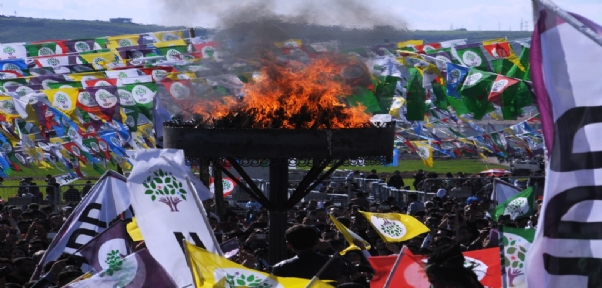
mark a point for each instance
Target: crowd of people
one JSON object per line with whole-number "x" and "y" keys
{"x": 456, "y": 225}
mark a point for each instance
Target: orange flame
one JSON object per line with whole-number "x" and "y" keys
{"x": 293, "y": 96}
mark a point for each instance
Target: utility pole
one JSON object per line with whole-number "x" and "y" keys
{"x": 521, "y": 24}
{"x": 499, "y": 26}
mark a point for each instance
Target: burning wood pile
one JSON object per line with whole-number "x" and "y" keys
{"x": 288, "y": 96}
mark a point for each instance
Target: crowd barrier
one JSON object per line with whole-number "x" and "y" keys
{"x": 9, "y": 195}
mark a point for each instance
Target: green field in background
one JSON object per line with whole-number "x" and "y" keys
{"x": 470, "y": 166}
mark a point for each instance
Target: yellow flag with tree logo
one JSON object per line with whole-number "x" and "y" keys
{"x": 425, "y": 151}
{"x": 63, "y": 99}
{"x": 393, "y": 227}
{"x": 212, "y": 270}
{"x": 349, "y": 235}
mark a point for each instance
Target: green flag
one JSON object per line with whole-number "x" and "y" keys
{"x": 519, "y": 206}
{"x": 69, "y": 84}
{"x": 458, "y": 105}
{"x": 416, "y": 97}
{"x": 475, "y": 92}
{"x": 44, "y": 49}
{"x": 471, "y": 55}
{"x": 384, "y": 90}
{"x": 365, "y": 97}
{"x": 515, "y": 246}
{"x": 440, "y": 99}
{"x": 515, "y": 72}
{"x": 138, "y": 97}
{"x": 502, "y": 66}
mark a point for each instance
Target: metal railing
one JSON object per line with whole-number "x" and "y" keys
{"x": 13, "y": 195}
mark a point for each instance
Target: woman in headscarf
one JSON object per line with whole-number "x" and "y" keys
{"x": 445, "y": 268}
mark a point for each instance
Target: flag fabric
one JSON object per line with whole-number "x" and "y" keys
{"x": 410, "y": 271}
{"x": 138, "y": 97}
{"x": 104, "y": 203}
{"x": 349, "y": 236}
{"x": 563, "y": 58}
{"x": 45, "y": 49}
{"x": 475, "y": 92}
{"x": 471, "y": 55}
{"x": 13, "y": 51}
{"x": 502, "y": 191}
{"x": 211, "y": 270}
{"x": 164, "y": 203}
{"x": 503, "y": 50}
{"x": 454, "y": 78}
{"x": 516, "y": 244}
{"x": 136, "y": 270}
{"x": 416, "y": 97}
{"x": 425, "y": 151}
{"x": 518, "y": 206}
{"x": 109, "y": 243}
{"x": 230, "y": 247}
{"x": 393, "y": 227}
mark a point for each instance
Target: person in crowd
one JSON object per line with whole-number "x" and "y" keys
{"x": 372, "y": 175}
{"x": 52, "y": 190}
{"x": 445, "y": 267}
{"x": 361, "y": 200}
{"x": 418, "y": 178}
{"x": 86, "y": 188}
{"x": 395, "y": 180}
{"x": 414, "y": 205}
{"x": 303, "y": 239}
{"x": 71, "y": 195}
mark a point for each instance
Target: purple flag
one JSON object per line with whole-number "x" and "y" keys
{"x": 46, "y": 79}
{"x": 113, "y": 241}
{"x": 137, "y": 270}
{"x": 107, "y": 99}
{"x": 79, "y": 45}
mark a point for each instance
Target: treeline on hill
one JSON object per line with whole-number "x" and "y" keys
{"x": 22, "y": 29}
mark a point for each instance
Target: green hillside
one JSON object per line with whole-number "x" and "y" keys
{"x": 21, "y": 29}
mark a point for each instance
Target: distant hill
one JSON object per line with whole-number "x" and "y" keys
{"x": 22, "y": 29}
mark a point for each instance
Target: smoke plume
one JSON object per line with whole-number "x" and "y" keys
{"x": 229, "y": 13}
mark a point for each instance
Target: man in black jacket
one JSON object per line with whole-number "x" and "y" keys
{"x": 302, "y": 239}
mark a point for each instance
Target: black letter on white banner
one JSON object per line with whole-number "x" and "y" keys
{"x": 562, "y": 158}
{"x": 194, "y": 236}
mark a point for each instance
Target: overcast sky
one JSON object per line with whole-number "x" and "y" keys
{"x": 421, "y": 15}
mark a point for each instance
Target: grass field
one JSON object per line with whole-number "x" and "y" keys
{"x": 470, "y": 166}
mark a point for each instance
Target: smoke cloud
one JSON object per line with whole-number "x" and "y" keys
{"x": 229, "y": 13}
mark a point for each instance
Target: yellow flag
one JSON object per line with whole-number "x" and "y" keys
{"x": 85, "y": 76}
{"x": 393, "y": 227}
{"x": 410, "y": 43}
{"x": 290, "y": 43}
{"x": 39, "y": 155}
{"x": 134, "y": 231}
{"x": 496, "y": 40}
{"x": 211, "y": 270}
{"x": 425, "y": 151}
{"x": 100, "y": 60}
{"x": 63, "y": 99}
{"x": 168, "y": 36}
{"x": 396, "y": 105}
{"x": 7, "y": 108}
{"x": 349, "y": 236}
{"x": 479, "y": 149}
{"x": 147, "y": 132}
{"x": 178, "y": 42}
{"x": 122, "y": 41}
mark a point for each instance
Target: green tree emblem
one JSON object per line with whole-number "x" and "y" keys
{"x": 514, "y": 258}
{"x": 242, "y": 280}
{"x": 454, "y": 76}
{"x": 208, "y": 51}
{"x": 53, "y": 61}
{"x": 9, "y": 50}
{"x": 81, "y": 46}
{"x": 392, "y": 228}
{"x": 125, "y": 43}
{"x": 122, "y": 75}
{"x": 515, "y": 207}
{"x": 165, "y": 187}
{"x": 115, "y": 262}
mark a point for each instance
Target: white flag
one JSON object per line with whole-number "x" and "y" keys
{"x": 566, "y": 53}
{"x": 503, "y": 191}
{"x": 106, "y": 200}
{"x": 168, "y": 210}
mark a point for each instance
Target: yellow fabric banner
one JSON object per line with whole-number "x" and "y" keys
{"x": 394, "y": 227}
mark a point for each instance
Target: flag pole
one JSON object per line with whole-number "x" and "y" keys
{"x": 394, "y": 268}
{"x": 188, "y": 262}
{"x": 316, "y": 278}
{"x": 570, "y": 19}
{"x": 204, "y": 214}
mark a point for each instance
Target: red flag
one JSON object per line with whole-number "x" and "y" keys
{"x": 500, "y": 84}
{"x": 410, "y": 272}
{"x": 75, "y": 151}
